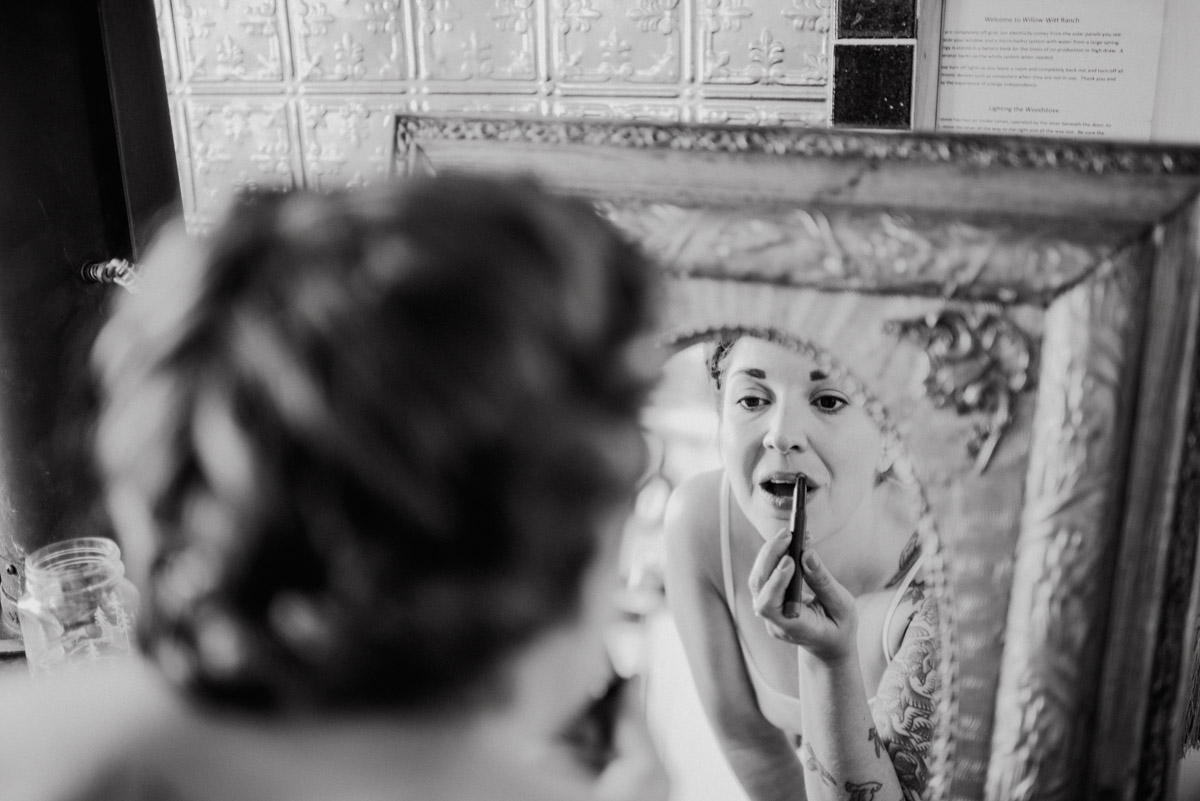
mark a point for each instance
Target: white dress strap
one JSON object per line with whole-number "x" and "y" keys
{"x": 895, "y": 604}
{"x": 726, "y": 560}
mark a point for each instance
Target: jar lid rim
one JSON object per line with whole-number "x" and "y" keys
{"x": 72, "y": 553}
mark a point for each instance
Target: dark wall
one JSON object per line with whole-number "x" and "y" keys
{"x": 65, "y": 199}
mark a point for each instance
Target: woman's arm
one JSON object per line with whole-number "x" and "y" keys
{"x": 760, "y": 755}
{"x": 846, "y": 753}
{"x": 906, "y": 704}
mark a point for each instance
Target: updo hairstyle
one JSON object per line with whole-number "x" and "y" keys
{"x": 376, "y": 434}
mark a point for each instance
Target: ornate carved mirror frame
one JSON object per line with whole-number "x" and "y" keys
{"x": 1054, "y": 289}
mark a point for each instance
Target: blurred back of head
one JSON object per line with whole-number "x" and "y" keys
{"x": 371, "y": 436}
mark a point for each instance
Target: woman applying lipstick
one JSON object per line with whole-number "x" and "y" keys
{"x": 838, "y": 696}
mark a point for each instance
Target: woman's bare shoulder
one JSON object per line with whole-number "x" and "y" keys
{"x": 692, "y": 519}
{"x": 915, "y": 602}
{"x": 697, "y": 498}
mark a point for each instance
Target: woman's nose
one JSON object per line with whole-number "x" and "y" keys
{"x": 786, "y": 431}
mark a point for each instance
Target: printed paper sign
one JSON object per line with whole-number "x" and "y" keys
{"x": 1050, "y": 67}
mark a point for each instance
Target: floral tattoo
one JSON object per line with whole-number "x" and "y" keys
{"x": 906, "y": 705}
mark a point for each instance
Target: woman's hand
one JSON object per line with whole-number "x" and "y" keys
{"x": 826, "y": 625}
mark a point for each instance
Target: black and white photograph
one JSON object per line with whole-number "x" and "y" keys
{"x": 599, "y": 400}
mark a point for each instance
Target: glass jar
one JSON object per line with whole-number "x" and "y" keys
{"x": 78, "y": 607}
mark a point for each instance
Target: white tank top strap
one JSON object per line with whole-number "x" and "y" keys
{"x": 778, "y": 707}
{"x": 726, "y": 559}
{"x": 895, "y": 604}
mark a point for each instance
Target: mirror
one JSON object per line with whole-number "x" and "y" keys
{"x": 992, "y": 299}
{"x": 787, "y": 404}
{"x": 944, "y": 387}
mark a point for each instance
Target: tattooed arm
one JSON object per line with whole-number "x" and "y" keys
{"x": 843, "y": 755}
{"x": 846, "y": 754}
{"x": 906, "y": 704}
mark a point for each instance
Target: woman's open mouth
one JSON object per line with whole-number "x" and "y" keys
{"x": 778, "y": 488}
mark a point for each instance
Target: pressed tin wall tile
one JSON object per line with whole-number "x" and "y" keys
{"x": 301, "y": 92}
{"x": 764, "y": 42}
{"x": 464, "y": 40}
{"x": 480, "y": 105}
{"x": 231, "y": 40}
{"x": 617, "y": 41}
{"x": 349, "y": 40}
{"x": 743, "y": 113}
{"x": 347, "y": 141}
{"x": 608, "y": 109}
{"x": 238, "y": 143}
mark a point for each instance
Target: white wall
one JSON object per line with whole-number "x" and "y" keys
{"x": 1177, "y": 100}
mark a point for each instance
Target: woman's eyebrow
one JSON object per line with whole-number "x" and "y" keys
{"x": 754, "y": 372}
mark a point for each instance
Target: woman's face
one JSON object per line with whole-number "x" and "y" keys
{"x": 781, "y": 414}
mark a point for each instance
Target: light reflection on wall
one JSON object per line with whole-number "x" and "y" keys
{"x": 681, "y": 434}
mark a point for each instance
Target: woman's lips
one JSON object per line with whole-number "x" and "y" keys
{"x": 782, "y": 501}
{"x": 783, "y": 484}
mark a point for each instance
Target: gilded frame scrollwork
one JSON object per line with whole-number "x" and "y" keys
{"x": 1054, "y": 290}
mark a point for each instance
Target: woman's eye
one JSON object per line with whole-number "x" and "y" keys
{"x": 830, "y": 403}
{"x": 751, "y": 403}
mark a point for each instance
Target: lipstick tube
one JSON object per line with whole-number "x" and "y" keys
{"x": 791, "y": 595}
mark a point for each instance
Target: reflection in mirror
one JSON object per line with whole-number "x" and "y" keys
{"x": 844, "y": 695}
{"x": 1005, "y": 288}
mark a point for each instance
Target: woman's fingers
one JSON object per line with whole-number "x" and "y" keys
{"x": 836, "y": 599}
{"x": 824, "y": 625}
{"x": 768, "y": 600}
{"x": 806, "y": 625}
{"x": 794, "y": 633}
{"x": 767, "y": 561}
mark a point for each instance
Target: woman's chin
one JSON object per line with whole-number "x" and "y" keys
{"x": 769, "y": 519}
{"x": 768, "y": 523}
